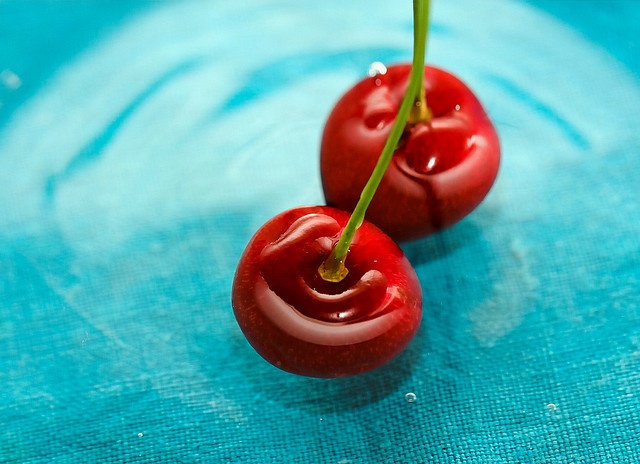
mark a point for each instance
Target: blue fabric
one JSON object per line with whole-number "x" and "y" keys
{"x": 142, "y": 144}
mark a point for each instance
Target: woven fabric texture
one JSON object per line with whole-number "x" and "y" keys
{"x": 143, "y": 143}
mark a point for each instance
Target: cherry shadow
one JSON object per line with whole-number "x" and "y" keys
{"x": 326, "y": 396}
{"x": 442, "y": 244}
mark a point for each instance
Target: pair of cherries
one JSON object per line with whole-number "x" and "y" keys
{"x": 321, "y": 292}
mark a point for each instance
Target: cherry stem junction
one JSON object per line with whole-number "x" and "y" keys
{"x": 412, "y": 109}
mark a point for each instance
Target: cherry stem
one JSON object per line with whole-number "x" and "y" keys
{"x": 420, "y": 112}
{"x": 333, "y": 269}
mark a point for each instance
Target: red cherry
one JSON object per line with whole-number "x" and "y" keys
{"x": 305, "y": 325}
{"x": 441, "y": 169}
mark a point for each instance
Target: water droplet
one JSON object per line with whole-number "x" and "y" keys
{"x": 457, "y": 107}
{"x": 410, "y": 397}
{"x": 140, "y": 435}
{"x": 376, "y": 69}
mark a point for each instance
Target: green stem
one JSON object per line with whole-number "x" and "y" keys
{"x": 333, "y": 269}
{"x": 420, "y": 112}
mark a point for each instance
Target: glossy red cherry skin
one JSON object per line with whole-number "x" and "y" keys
{"x": 441, "y": 170}
{"x": 302, "y": 324}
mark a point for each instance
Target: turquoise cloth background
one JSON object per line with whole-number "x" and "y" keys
{"x": 141, "y": 145}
